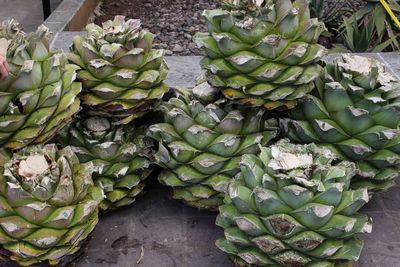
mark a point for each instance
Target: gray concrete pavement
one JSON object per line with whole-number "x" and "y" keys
{"x": 27, "y": 12}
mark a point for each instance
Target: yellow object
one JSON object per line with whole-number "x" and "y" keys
{"x": 385, "y": 5}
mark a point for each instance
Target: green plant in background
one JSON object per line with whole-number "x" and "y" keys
{"x": 262, "y": 53}
{"x": 201, "y": 142}
{"x": 48, "y": 204}
{"x": 291, "y": 206}
{"x": 122, "y": 75}
{"x": 371, "y": 29}
{"x": 39, "y": 96}
{"x": 331, "y": 13}
{"x": 356, "y": 111}
{"x": 120, "y": 155}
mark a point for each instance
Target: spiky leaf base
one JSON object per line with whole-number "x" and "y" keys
{"x": 263, "y": 53}
{"x": 291, "y": 206}
{"x": 122, "y": 75}
{"x": 356, "y": 112}
{"x": 201, "y": 142}
{"x": 39, "y": 96}
{"x": 120, "y": 155}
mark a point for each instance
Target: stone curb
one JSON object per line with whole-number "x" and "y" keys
{"x": 70, "y": 15}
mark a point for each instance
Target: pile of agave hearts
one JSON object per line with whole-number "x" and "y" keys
{"x": 287, "y": 147}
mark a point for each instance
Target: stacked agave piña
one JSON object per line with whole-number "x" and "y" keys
{"x": 201, "y": 142}
{"x": 39, "y": 97}
{"x": 291, "y": 206}
{"x": 355, "y": 110}
{"x": 262, "y": 52}
{"x": 48, "y": 203}
{"x": 123, "y": 80}
{"x": 120, "y": 157}
{"x": 285, "y": 205}
{"x": 122, "y": 75}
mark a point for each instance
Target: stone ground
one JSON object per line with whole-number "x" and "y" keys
{"x": 28, "y": 12}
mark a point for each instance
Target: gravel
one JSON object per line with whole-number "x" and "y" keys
{"x": 173, "y": 21}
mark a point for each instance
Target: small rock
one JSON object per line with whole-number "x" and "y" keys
{"x": 192, "y": 46}
{"x": 177, "y": 48}
{"x": 168, "y": 52}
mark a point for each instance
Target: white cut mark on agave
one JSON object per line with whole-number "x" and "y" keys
{"x": 363, "y": 66}
{"x": 99, "y": 63}
{"x": 38, "y": 206}
{"x": 243, "y": 59}
{"x": 365, "y": 196}
{"x": 28, "y": 65}
{"x": 357, "y": 112}
{"x": 122, "y": 171}
{"x": 324, "y": 126}
{"x": 367, "y": 229}
{"x": 106, "y": 145}
{"x": 330, "y": 251}
{"x": 203, "y": 90}
{"x": 228, "y": 140}
{"x": 262, "y": 194}
{"x": 376, "y": 99}
{"x": 392, "y": 160}
{"x": 175, "y": 112}
{"x": 245, "y": 224}
{"x": 340, "y": 187}
{"x": 56, "y": 60}
{"x": 176, "y": 149}
{"x": 360, "y": 150}
{"x": 196, "y": 129}
{"x": 126, "y": 74}
{"x": 321, "y": 211}
{"x": 350, "y": 225}
{"x": 10, "y": 227}
{"x": 129, "y": 150}
{"x": 46, "y": 241}
{"x": 251, "y": 258}
{"x": 6, "y": 123}
{"x": 105, "y": 90}
{"x": 258, "y": 139}
{"x": 89, "y": 207}
{"x": 296, "y": 190}
{"x": 272, "y": 39}
{"x": 214, "y": 116}
{"x": 246, "y": 23}
{"x": 268, "y": 245}
{"x": 220, "y": 186}
{"x": 46, "y": 181}
{"x": 88, "y": 46}
{"x": 206, "y": 163}
{"x": 219, "y": 36}
{"x": 300, "y": 50}
{"x": 12, "y": 185}
{"x": 33, "y": 167}
{"x": 288, "y": 161}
